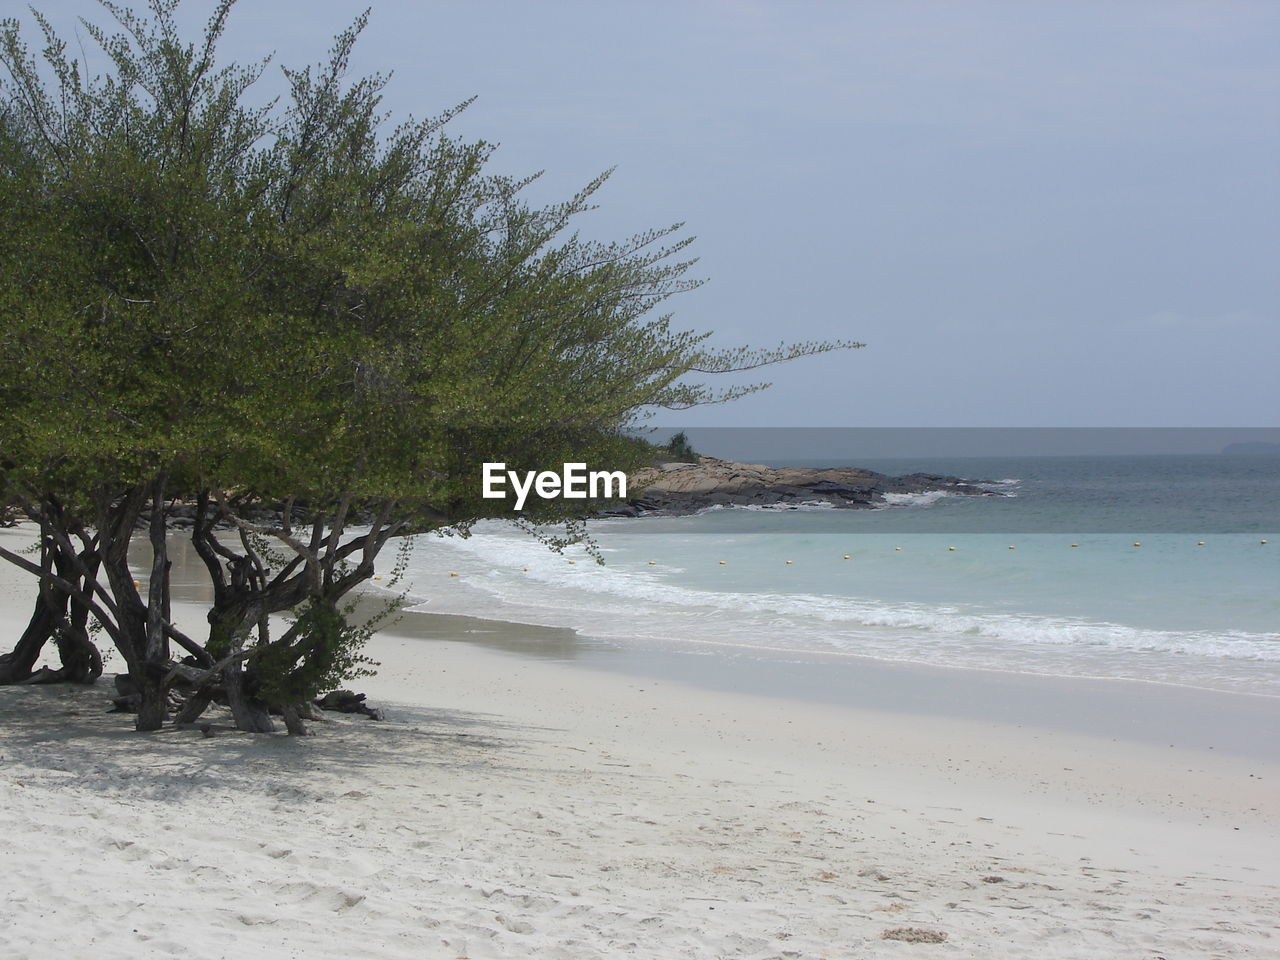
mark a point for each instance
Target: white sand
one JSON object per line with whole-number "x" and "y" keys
{"x": 511, "y": 807}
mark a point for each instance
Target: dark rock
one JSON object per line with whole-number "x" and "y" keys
{"x": 677, "y": 489}
{"x": 630, "y": 510}
{"x": 344, "y": 701}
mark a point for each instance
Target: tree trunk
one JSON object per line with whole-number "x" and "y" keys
{"x": 194, "y": 708}
{"x": 153, "y": 706}
{"x": 153, "y": 700}
{"x": 16, "y": 666}
{"x": 251, "y": 714}
{"x": 81, "y": 661}
{"x": 293, "y": 722}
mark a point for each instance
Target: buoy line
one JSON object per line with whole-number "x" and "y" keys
{"x": 845, "y": 556}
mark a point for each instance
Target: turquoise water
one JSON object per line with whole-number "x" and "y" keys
{"x": 1170, "y": 610}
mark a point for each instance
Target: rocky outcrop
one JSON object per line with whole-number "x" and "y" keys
{"x": 676, "y": 489}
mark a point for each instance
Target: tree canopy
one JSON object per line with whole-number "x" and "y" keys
{"x": 307, "y": 326}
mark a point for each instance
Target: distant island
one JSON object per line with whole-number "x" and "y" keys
{"x": 682, "y": 488}
{"x": 1252, "y": 447}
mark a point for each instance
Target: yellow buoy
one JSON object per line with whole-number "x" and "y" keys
{"x": 1199, "y": 543}
{"x": 453, "y": 574}
{"x": 950, "y": 548}
{"x": 377, "y": 578}
{"x": 897, "y": 548}
{"x": 137, "y": 583}
{"x": 1137, "y": 543}
{"x": 573, "y": 561}
{"x": 788, "y": 563}
{"x": 653, "y": 563}
{"x": 1262, "y": 542}
{"x": 1075, "y": 544}
{"x": 722, "y": 563}
{"x": 1012, "y": 547}
{"x": 526, "y": 569}
{"x": 846, "y": 556}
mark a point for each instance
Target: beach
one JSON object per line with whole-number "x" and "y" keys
{"x": 708, "y": 481}
{"x": 516, "y": 805}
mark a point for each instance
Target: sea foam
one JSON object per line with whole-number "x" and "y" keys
{"x": 504, "y": 575}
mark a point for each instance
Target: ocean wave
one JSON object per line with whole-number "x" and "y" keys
{"x": 801, "y": 505}
{"x": 1000, "y": 487}
{"x": 516, "y": 578}
{"x": 925, "y": 499}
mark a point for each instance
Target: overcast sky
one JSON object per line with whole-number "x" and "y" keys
{"x": 1033, "y": 214}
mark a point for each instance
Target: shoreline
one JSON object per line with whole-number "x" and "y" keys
{"x": 1192, "y": 618}
{"x": 1153, "y": 712}
{"x": 540, "y": 806}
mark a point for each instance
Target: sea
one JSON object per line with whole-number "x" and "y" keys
{"x": 1163, "y": 569}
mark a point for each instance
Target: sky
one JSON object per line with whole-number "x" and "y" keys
{"x": 1057, "y": 213}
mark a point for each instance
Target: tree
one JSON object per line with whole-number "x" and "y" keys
{"x": 679, "y": 448}
{"x": 312, "y": 329}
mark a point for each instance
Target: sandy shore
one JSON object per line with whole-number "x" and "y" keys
{"x": 517, "y": 806}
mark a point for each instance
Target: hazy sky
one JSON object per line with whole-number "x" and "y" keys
{"x": 1033, "y": 214}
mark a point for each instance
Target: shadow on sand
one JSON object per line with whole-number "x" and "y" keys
{"x": 64, "y": 731}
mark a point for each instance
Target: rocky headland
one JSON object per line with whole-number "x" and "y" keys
{"x": 679, "y": 489}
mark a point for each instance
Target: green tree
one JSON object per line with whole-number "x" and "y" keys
{"x": 309, "y": 326}
{"x": 679, "y": 448}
